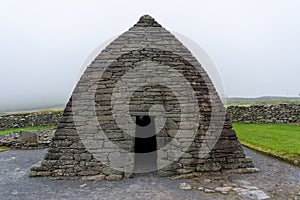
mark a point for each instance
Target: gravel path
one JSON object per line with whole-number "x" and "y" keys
{"x": 278, "y": 180}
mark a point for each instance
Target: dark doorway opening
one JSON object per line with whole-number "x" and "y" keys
{"x": 145, "y": 140}
{"x": 145, "y": 145}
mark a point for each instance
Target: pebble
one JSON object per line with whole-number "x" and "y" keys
{"x": 207, "y": 181}
{"x": 243, "y": 182}
{"x": 239, "y": 189}
{"x": 83, "y": 185}
{"x": 185, "y": 186}
{"x": 209, "y": 191}
{"x": 114, "y": 177}
{"x": 201, "y": 188}
{"x": 223, "y": 190}
{"x": 255, "y": 194}
{"x": 250, "y": 187}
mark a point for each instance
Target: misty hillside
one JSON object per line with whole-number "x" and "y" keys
{"x": 30, "y": 108}
{"x": 268, "y": 100}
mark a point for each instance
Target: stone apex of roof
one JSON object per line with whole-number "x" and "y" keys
{"x": 147, "y": 21}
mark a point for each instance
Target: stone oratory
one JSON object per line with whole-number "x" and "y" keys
{"x": 143, "y": 104}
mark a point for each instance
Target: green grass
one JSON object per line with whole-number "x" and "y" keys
{"x": 3, "y": 148}
{"x": 10, "y": 130}
{"x": 282, "y": 140}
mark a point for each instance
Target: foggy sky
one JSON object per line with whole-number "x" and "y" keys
{"x": 254, "y": 44}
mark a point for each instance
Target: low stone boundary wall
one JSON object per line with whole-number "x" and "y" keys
{"x": 283, "y": 113}
{"x": 28, "y": 139}
{"x": 30, "y": 119}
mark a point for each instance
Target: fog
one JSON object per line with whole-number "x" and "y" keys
{"x": 44, "y": 44}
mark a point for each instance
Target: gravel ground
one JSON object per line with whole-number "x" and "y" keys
{"x": 277, "y": 179}
{"x": 280, "y": 180}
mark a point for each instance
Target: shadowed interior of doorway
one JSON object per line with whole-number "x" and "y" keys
{"x": 145, "y": 145}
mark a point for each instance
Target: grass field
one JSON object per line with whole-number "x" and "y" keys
{"x": 3, "y": 148}
{"x": 25, "y": 129}
{"x": 282, "y": 140}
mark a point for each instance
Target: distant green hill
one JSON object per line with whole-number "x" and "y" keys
{"x": 233, "y": 101}
{"x": 29, "y": 109}
{"x": 268, "y": 100}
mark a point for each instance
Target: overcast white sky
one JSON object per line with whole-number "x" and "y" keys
{"x": 254, "y": 44}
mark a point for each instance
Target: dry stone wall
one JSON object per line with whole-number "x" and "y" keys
{"x": 35, "y": 139}
{"x": 30, "y": 119}
{"x": 282, "y": 113}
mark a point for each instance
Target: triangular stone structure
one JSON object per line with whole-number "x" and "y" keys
{"x": 145, "y": 75}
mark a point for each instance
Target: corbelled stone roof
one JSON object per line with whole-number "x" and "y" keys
{"x": 97, "y": 137}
